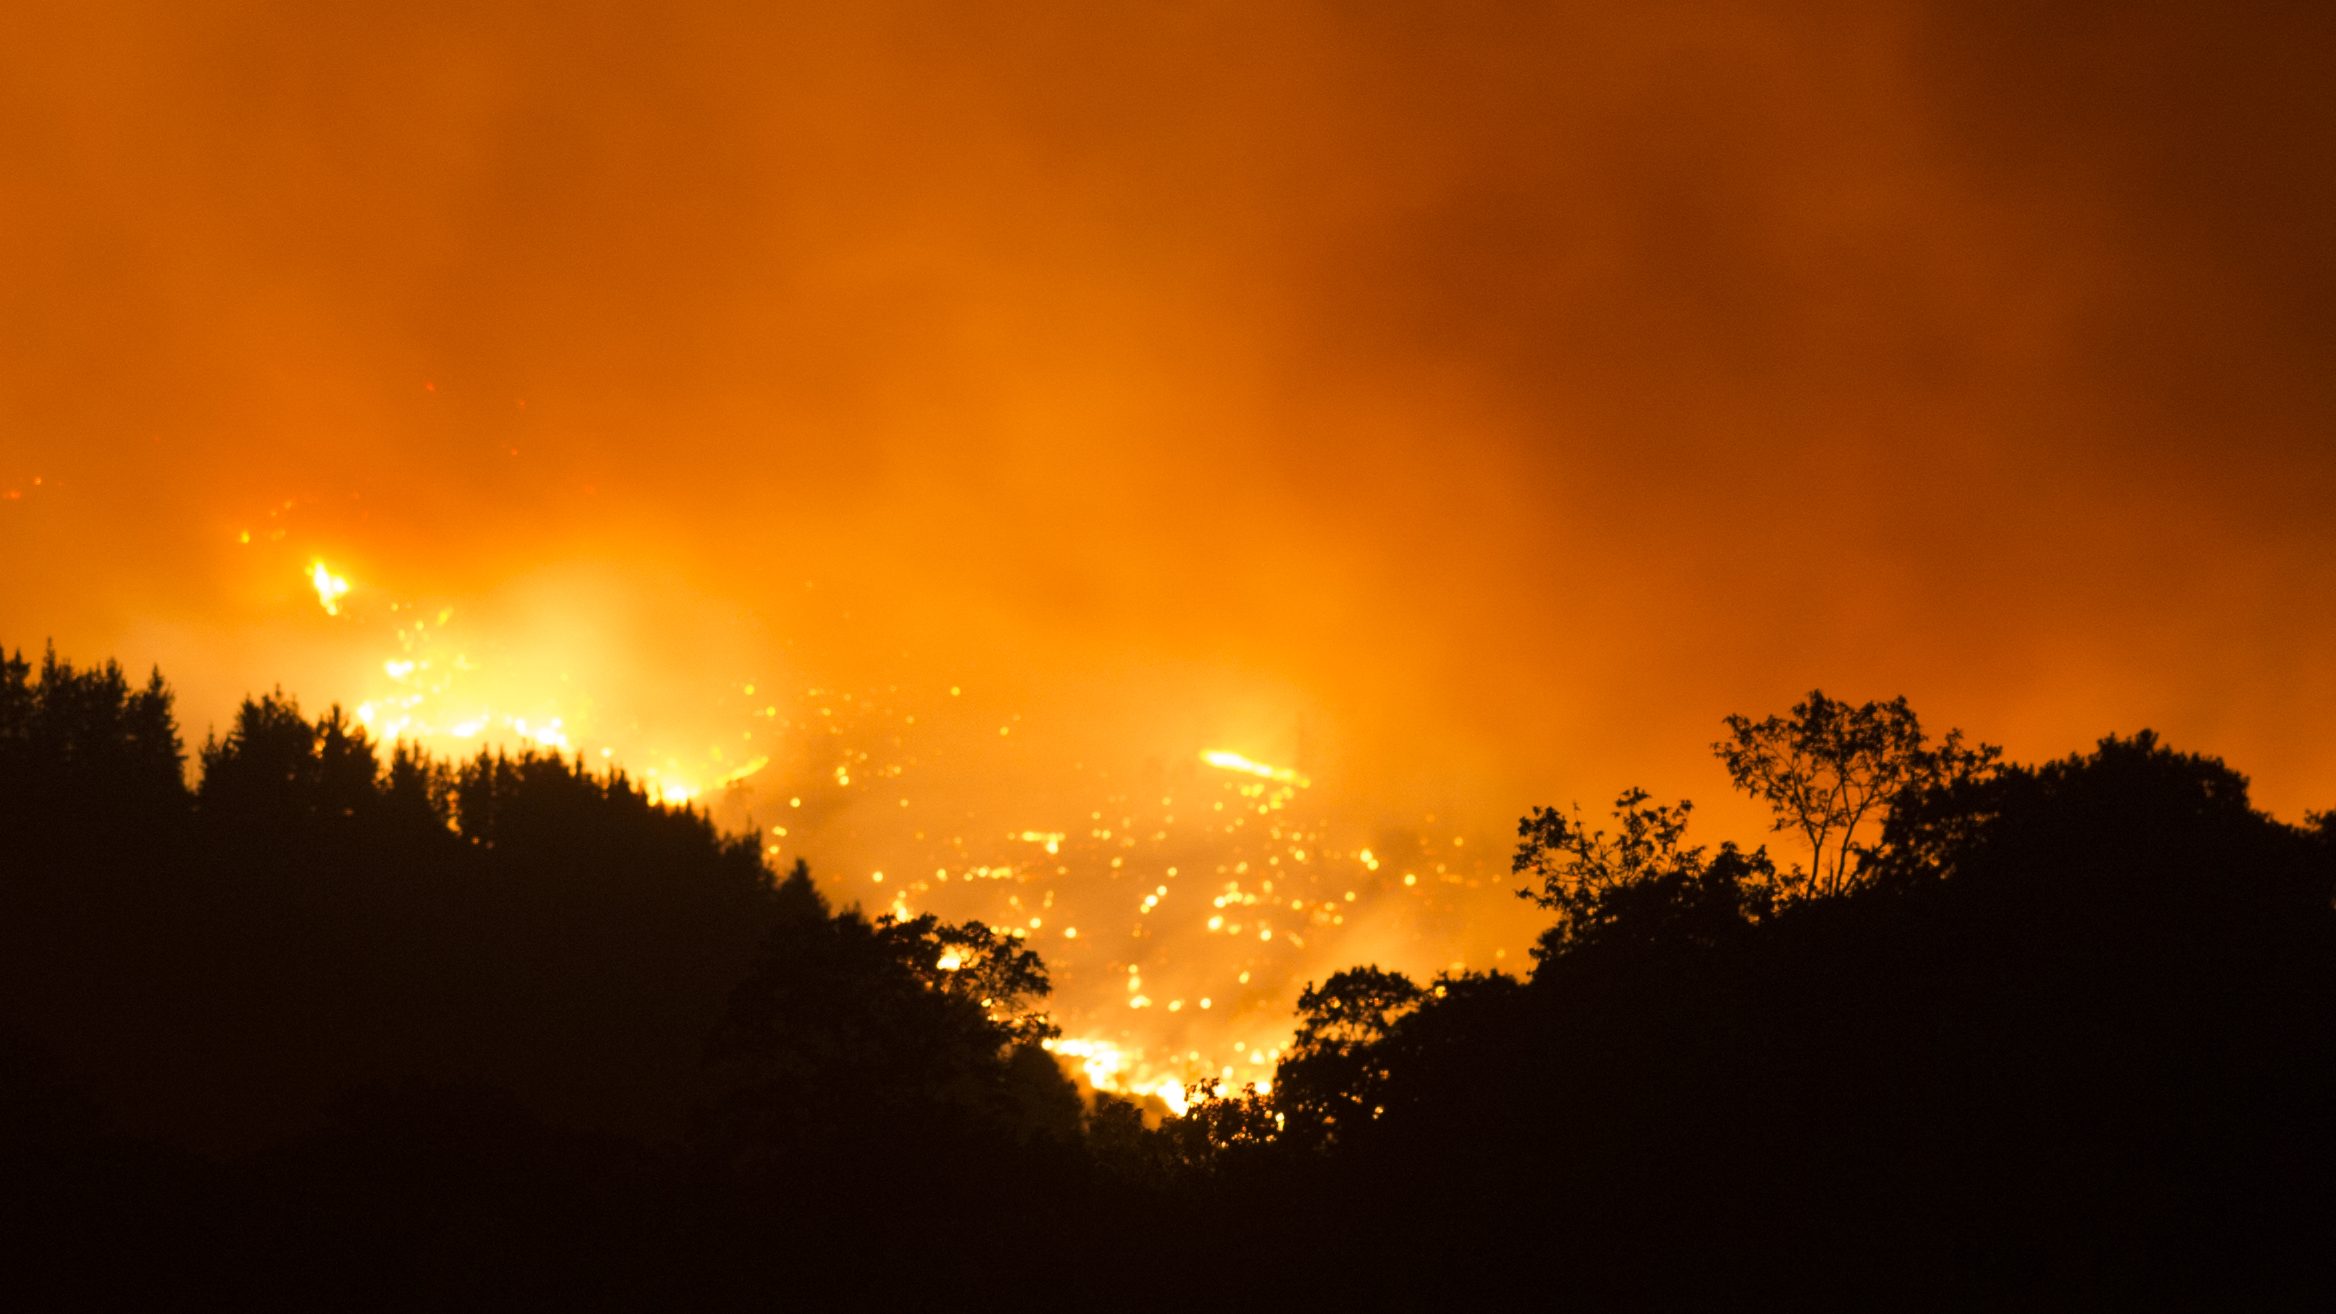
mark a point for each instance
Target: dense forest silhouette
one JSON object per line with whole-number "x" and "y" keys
{"x": 334, "y": 1028}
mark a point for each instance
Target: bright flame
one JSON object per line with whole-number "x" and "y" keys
{"x": 1101, "y": 1060}
{"x": 330, "y": 588}
{"x": 663, "y": 790}
{"x": 1225, "y": 760}
{"x": 1111, "y": 1066}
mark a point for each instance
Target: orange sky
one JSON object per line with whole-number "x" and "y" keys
{"x": 1501, "y": 394}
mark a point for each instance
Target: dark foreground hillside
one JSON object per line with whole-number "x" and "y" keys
{"x": 332, "y": 1031}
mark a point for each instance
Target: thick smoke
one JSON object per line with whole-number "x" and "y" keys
{"x": 1472, "y": 402}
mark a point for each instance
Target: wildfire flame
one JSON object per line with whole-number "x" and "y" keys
{"x": 1224, "y": 760}
{"x": 330, "y": 588}
{"x": 1210, "y": 897}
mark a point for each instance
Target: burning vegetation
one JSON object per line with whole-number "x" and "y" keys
{"x": 390, "y": 1021}
{"x": 1181, "y": 904}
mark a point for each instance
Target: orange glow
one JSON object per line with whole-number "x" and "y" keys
{"x": 1188, "y": 480}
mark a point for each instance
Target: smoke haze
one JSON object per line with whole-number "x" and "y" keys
{"x": 1470, "y": 403}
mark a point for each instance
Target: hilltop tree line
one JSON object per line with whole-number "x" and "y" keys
{"x": 334, "y": 1026}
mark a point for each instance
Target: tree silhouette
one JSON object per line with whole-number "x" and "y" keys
{"x": 1576, "y": 867}
{"x": 83, "y": 757}
{"x": 847, "y": 1030}
{"x": 337, "y": 1024}
{"x": 2061, "y": 1030}
{"x": 1330, "y": 1079}
{"x": 1644, "y": 883}
{"x": 1218, "y": 1130}
{"x": 1829, "y": 767}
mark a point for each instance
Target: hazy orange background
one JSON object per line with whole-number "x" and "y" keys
{"x": 1501, "y": 394}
